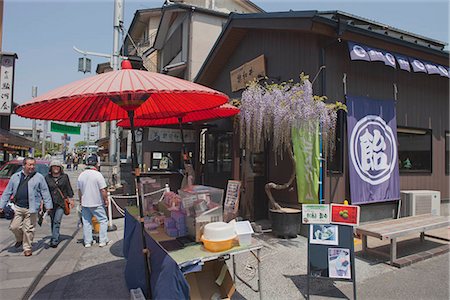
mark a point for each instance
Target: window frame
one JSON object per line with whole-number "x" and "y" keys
{"x": 336, "y": 165}
{"x": 415, "y": 130}
{"x": 447, "y": 146}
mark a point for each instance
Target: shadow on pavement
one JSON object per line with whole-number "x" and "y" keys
{"x": 404, "y": 248}
{"x": 117, "y": 249}
{"x": 318, "y": 287}
{"x": 42, "y": 243}
{"x": 104, "y": 281}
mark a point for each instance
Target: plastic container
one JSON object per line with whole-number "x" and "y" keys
{"x": 219, "y": 231}
{"x": 217, "y": 246}
{"x": 199, "y": 199}
{"x": 244, "y": 232}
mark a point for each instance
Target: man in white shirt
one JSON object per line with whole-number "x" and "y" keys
{"x": 93, "y": 199}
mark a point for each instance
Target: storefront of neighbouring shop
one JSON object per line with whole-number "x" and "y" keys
{"x": 13, "y": 145}
{"x": 376, "y": 71}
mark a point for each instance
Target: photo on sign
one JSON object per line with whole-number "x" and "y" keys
{"x": 339, "y": 265}
{"x": 323, "y": 234}
{"x": 345, "y": 214}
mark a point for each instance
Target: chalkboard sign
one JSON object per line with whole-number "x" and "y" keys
{"x": 331, "y": 253}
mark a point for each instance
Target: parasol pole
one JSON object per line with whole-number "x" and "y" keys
{"x": 137, "y": 172}
{"x": 183, "y": 145}
{"x": 188, "y": 169}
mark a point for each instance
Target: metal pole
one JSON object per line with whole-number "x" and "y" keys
{"x": 44, "y": 136}
{"x": 111, "y": 226}
{"x": 117, "y": 22}
{"x": 34, "y": 95}
{"x": 129, "y": 146}
{"x": 135, "y": 167}
{"x": 114, "y": 143}
{"x": 88, "y": 138}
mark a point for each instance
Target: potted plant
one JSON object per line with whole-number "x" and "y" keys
{"x": 286, "y": 114}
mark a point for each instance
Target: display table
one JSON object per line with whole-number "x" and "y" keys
{"x": 167, "y": 269}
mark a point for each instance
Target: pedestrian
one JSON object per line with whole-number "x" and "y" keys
{"x": 26, "y": 189}
{"x": 69, "y": 162}
{"x": 93, "y": 200}
{"x": 75, "y": 161}
{"x": 59, "y": 185}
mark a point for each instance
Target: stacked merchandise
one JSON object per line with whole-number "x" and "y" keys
{"x": 175, "y": 225}
{"x": 202, "y": 205}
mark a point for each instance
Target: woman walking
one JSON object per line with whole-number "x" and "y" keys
{"x": 60, "y": 189}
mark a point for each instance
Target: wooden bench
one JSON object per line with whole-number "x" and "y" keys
{"x": 393, "y": 229}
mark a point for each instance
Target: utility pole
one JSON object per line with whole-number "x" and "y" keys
{"x": 34, "y": 95}
{"x": 114, "y": 143}
{"x": 44, "y": 133}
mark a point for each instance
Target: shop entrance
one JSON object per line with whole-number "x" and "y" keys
{"x": 218, "y": 159}
{"x": 254, "y": 174}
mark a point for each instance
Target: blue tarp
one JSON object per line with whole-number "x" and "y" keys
{"x": 167, "y": 281}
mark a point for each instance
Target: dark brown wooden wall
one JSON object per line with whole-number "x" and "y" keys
{"x": 423, "y": 100}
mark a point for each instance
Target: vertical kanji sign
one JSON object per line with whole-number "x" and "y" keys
{"x": 6, "y": 82}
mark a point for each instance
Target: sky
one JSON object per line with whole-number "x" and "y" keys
{"x": 43, "y": 33}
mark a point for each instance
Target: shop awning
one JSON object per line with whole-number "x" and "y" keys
{"x": 12, "y": 140}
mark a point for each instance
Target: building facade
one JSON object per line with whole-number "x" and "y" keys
{"x": 317, "y": 43}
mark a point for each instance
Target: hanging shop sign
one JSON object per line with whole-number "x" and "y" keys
{"x": 62, "y": 128}
{"x": 7, "y": 64}
{"x": 372, "y": 141}
{"x": 363, "y": 52}
{"x": 306, "y": 148}
{"x": 167, "y": 135}
{"x": 249, "y": 71}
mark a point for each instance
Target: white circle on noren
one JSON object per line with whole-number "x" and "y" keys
{"x": 362, "y": 124}
{"x": 419, "y": 64}
{"x": 359, "y": 51}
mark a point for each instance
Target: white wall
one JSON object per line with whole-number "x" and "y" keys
{"x": 205, "y": 31}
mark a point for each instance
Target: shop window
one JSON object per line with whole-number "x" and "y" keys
{"x": 414, "y": 150}
{"x": 447, "y": 152}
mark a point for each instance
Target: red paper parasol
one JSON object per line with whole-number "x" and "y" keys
{"x": 109, "y": 96}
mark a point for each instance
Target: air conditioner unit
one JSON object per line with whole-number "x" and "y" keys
{"x": 418, "y": 202}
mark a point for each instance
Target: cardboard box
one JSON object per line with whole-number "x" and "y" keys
{"x": 195, "y": 225}
{"x": 214, "y": 281}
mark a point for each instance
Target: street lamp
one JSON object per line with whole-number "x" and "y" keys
{"x": 84, "y": 64}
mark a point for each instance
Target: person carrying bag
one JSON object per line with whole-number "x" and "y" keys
{"x": 62, "y": 196}
{"x": 27, "y": 189}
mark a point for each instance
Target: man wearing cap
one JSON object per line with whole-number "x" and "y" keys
{"x": 93, "y": 200}
{"x": 59, "y": 185}
{"x": 26, "y": 189}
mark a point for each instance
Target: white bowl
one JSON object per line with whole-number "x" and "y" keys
{"x": 219, "y": 231}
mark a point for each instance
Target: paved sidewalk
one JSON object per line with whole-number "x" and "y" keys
{"x": 67, "y": 272}
{"x": 19, "y": 272}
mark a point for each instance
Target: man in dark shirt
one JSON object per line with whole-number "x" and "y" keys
{"x": 21, "y": 198}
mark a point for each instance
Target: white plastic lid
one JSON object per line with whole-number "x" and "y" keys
{"x": 243, "y": 227}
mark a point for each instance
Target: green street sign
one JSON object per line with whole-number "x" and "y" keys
{"x": 55, "y": 127}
